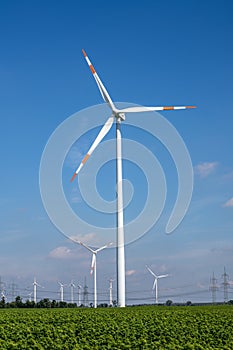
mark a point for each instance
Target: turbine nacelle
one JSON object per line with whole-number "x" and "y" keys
{"x": 119, "y": 114}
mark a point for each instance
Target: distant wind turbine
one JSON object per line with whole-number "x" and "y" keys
{"x": 93, "y": 265}
{"x": 155, "y": 284}
{"x": 35, "y": 284}
{"x": 72, "y": 286}
{"x": 61, "y": 291}
{"x": 117, "y": 115}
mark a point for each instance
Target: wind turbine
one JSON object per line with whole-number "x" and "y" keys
{"x": 93, "y": 265}
{"x": 35, "y": 284}
{"x": 155, "y": 284}
{"x": 61, "y": 291}
{"x": 72, "y": 286}
{"x": 119, "y": 116}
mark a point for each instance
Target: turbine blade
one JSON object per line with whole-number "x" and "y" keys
{"x": 151, "y": 271}
{"x": 105, "y": 129}
{"x": 102, "y": 248}
{"x": 85, "y": 246}
{"x": 162, "y": 276}
{"x": 154, "y": 284}
{"x": 105, "y": 246}
{"x": 72, "y": 284}
{"x": 100, "y": 85}
{"x": 93, "y": 263}
{"x": 137, "y": 109}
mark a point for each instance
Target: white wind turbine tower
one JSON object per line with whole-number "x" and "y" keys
{"x": 72, "y": 286}
{"x": 119, "y": 116}
{"x": 35, "y": 284}
{"x": 155, "y": 285}
{"x": 93, "y": 265}
{"x": 61, "y": 291}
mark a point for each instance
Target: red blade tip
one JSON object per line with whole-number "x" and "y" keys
{"x": 84, "y": 53}
{"x": 73, "y": 177}
{"x": 191, "y": 107}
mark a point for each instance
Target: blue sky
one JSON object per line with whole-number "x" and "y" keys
{"x": 150, "y": 53}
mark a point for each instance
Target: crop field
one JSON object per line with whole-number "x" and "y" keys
{"x": 149, "y": 327}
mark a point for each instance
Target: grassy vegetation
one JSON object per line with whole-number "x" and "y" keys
{"x": 149, "y": 327}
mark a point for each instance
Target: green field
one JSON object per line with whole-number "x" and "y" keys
{"x": 150, "y": 327}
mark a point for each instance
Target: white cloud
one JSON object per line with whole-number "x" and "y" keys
{"x": 61, "y": 253}
{"x": 229, "y": 203}
{"x": 130, "y": 272}
{"x": 205, "y": 169}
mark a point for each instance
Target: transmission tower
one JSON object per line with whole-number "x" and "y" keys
{"x": 79, "y": 294}
{"x": 85, "y": 293}
{"x": 13, "y": 290}
{"x": 213, "y": 288}
{"x": 225, "y": 285}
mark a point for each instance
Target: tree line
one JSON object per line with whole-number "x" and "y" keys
{"x": 44, "y": 303}
{"x": 47, "y": 304}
